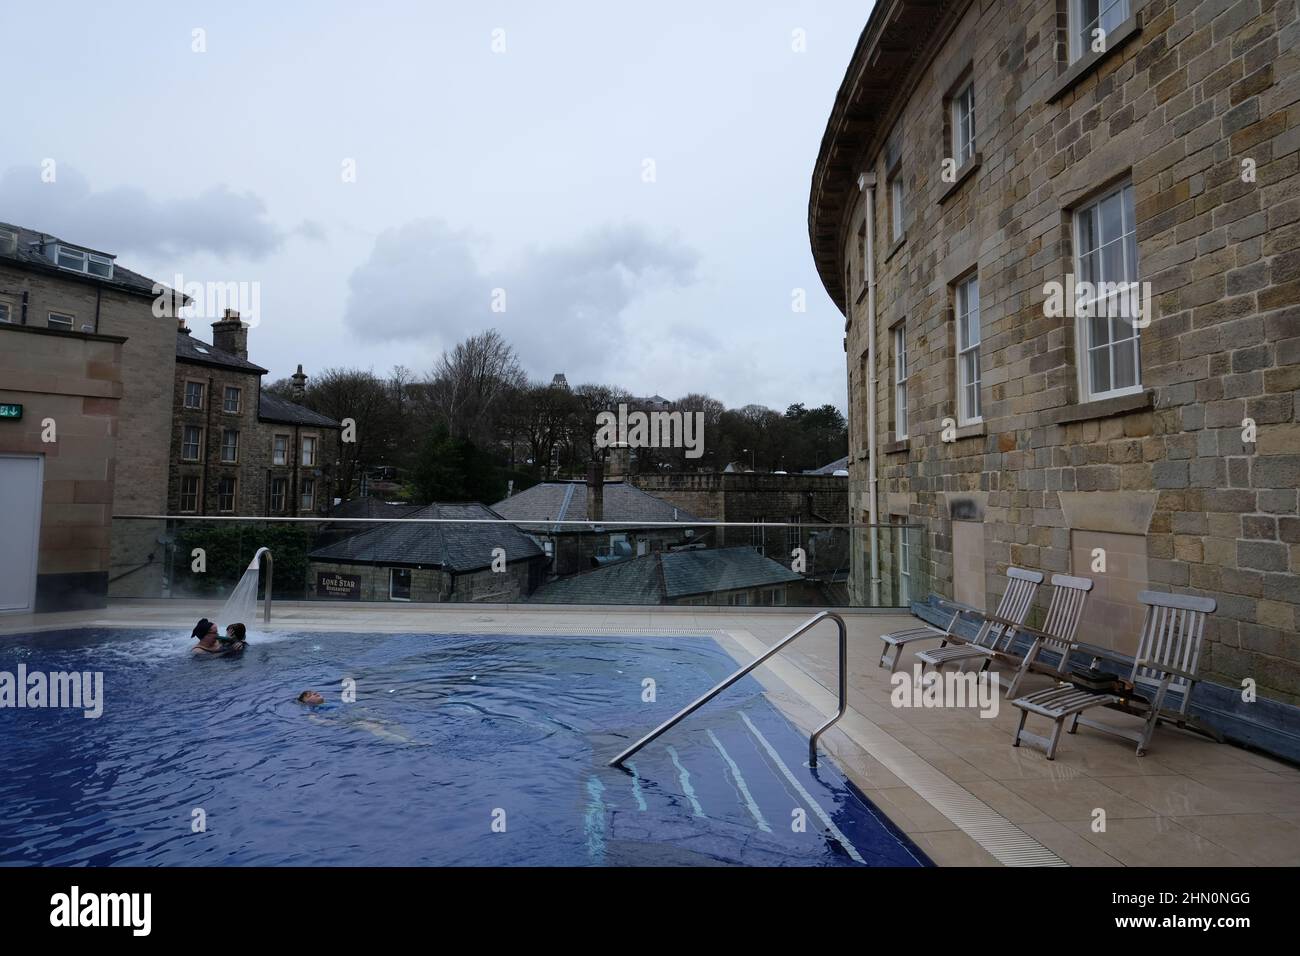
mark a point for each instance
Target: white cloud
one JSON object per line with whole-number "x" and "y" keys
{"x": 126, "y": 219}
{"x": 564, "y": 305}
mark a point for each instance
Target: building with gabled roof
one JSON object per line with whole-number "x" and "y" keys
{"x": 418, "y": 559}
{"x": 624, "y": 521}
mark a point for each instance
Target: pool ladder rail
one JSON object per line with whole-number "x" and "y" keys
{"x": 772, "y": 652}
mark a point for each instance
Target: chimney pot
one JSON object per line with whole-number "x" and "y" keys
{"x": 299, "y": 386}
{"x": 231, "y": 335}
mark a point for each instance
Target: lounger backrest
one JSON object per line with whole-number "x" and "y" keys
{"x": 1069, "y": 594}
{"x": 1016, "y": 601}
{"x": 1172, "y": 635}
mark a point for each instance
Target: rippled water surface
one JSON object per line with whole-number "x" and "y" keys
{"x": 449, "y": 735}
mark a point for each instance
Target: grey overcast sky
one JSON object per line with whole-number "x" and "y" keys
{"x": 523, "y": 169}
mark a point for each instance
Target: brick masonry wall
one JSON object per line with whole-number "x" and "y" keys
{"x": 139, "y": 469}
{"x": 1175, "y": 110}
{"x": 76, "y": 381}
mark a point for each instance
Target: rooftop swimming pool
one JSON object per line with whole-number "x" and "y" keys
{"x": 458, "y": 750}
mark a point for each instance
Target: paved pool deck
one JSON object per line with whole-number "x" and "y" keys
{"x": 946, "y": 776}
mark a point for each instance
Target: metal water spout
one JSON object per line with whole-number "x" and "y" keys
{"x": 266, "y": 608}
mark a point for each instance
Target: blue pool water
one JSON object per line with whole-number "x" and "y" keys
{"x": 459, "y": 750}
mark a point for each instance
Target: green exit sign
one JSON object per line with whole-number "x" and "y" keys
{"x": 11, "y": 411}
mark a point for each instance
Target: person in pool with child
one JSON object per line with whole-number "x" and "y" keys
{"x": 211, "y": 642}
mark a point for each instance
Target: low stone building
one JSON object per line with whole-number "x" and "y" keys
{"x": 626, "y": 522}
{"x": 236, "y": 450}
{"x": 410, "y": 560}
{"x": 990, "y": 178}
{"x": 86, "y": 368}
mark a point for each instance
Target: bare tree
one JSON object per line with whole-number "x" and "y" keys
{"x": 468, "y": 383}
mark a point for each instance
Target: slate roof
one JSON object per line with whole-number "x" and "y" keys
{"x": 197, "y": 352}
{"x": 666, "y": 577}
{"x": 457, "y": 548}
{"x": 371, "y": 507}
{"x": 123, "y": 278}
{"x": 567, "y": 501}
{"x": 273, "y": 408}
{"x": 839, "y": 464}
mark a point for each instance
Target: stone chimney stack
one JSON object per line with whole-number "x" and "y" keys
{"x": 595, "y": 491}
{"x": 181, "y": 327}
{"x": 231, "y": 335}
{"x": 299, "y": 386}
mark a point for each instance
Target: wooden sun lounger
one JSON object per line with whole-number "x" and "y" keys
{"x": 1019, "y": 581}
{"x": 994, "y": 642}
{"x": 1168, "y": 654}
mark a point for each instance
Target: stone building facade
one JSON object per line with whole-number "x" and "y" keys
{"x": 985, "y": 161}
{"x": 236, "y": 450}
{"x": 106, "y": 345}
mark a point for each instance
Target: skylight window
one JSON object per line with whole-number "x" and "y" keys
{"x": 80, "y": 260}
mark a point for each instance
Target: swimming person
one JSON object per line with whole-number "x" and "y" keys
{"x": 234, "y": 641}
{"x": 209, "y": 641}
{"x": 352, "y": 721}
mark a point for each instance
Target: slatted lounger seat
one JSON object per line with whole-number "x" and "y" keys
{"x": 1168, "y": 654}
{"x": 994, "y": 641}
{"x": 1018, "y": 581}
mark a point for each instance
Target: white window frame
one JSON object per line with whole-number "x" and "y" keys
{"x": 970, "y": 408}
{"x": 80, "y": 260}
{"x": 280, "y": 491}
{"x": 6, "y": 312}
{"x": 234, "y": 494}
{"x": 308, "y": 441}
{"x": 307, "y": 495}
{"x": 225, "y": 399}
{"x": 71, "y": 320}
{"x": 1081, "y": 31}
{"x": 186, "y": 398}
{"x": 1088, "y": 350}
{"x": 198, "y": 488}
{"x": 8, "y": 241}
{"x": 904, "y": 563}
{"x": 409, "y": 584}
{"x": 232, "y": 446}
{"x": 279, "y": 455}
{"x": 963, "y": 124}
{"x": 197, "y": 443}
{"x": 897, "y": 206}
{"x": 900, "y": 381}
{"x": 793, "y": 532}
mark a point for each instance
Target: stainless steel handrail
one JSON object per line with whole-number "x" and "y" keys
{"x": 772, "y": 652}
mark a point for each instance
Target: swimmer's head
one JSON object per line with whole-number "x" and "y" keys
{"x": 311, "y": 698}
{"x": 236, "y": 632}
{"x": 203, "y": 628}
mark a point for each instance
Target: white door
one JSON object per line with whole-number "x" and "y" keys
{"x": 20, "y": 530}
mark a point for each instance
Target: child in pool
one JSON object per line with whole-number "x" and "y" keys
{"x": 234, "y": 641}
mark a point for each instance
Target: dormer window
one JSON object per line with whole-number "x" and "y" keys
{"x": 83, "y": 261}
{"x": 8, "y": 241}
